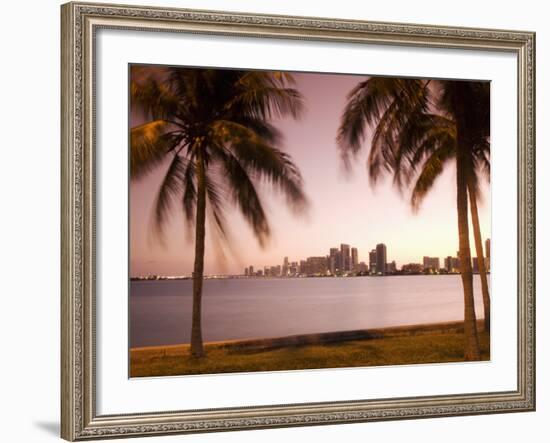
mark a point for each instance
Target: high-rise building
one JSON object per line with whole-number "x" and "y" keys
{"x": 285, "y": 267}
{"x": 381, "y": 258}
{"x": 346, "y": 258}
{"x": 334, "y": 260}
{"x": 354, "y": 259}
{"x": 251, "y": 270}
{"x": 372, "y": 261}
{"x": 293, "y": 269}
{"x": 426, "y": 262}
{"x": 316, "y": 266}
{"x": 246, "y": 272}
{"x": 456, "y": 264}
{"x": 448, "y": 264}
{"x": 451, "y": 264}
{"x": 391, "y": 268}
{"x": 430, "y": 263}
{"x": 303, "y": 267}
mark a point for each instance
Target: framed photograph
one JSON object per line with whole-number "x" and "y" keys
{"x": 284, "y": 221}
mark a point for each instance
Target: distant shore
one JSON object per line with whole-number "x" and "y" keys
{"x": 415, "y": 344}
{"x": 246, "y": 277}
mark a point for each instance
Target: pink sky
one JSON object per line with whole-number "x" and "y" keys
{"x": 343, "y": 208}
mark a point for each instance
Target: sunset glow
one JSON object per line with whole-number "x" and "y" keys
{"x": 344, "y": 208}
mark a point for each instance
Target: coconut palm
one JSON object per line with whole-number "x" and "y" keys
{"x": 438, "y": 131}
{"x": 414, "y": 144}
{"x": 214, "y": 127}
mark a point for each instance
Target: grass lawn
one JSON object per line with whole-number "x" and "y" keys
{"x": 427, "y": 348}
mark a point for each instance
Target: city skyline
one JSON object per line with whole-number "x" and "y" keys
{"x": 338, "y": 204}
{"x": 376, "y": 256}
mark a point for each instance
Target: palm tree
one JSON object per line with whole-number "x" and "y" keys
{"x": 214, "y": 126}
{"x": 469, "y": 105}
{"x": 442, "y": 132}
{"x": 412, "y": 142}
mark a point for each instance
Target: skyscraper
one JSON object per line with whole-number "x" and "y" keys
{"x": 430, "y": 263}
{"x": 449, "y": 264}
{"x": 381, "y": 258}
{"x": 334, "y": 260}
{"x": 346, "y": 259}
{"x": 285, "y": 267}
{"x": 354, "y": 259}
{"x": 372, "y": 261}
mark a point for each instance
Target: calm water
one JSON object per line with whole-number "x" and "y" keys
{"x": 160, "y": 311}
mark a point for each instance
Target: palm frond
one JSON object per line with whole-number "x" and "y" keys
{"x": 216, "y": 197}
{"x": 418, "y": 140}
{"x": 189, "y": 198}
{"x": 264, "y": 160}
{"x": 149, "y": 144}
{"x": 170, "y": 191}
{"x": 155, "y": 99}
{"x": 431, "y": 170}
{"x": 244, "y": 195}
{"x": 266, "y": 95}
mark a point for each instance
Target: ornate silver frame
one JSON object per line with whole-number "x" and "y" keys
{"x": 79, "y": 420}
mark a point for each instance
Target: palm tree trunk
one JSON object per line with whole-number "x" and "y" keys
{"x": 197, "y": 349}
{"x": 480, "y": 258}
{"x": 471, "y": 342}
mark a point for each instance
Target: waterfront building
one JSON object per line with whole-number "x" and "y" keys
{"x": 285, "y": 267}
{"x": 381, "y": 258}
{"x": 431, "y": 264}
{"x": 316, "y": 266}
{"x": 372, "y": 261}
{"x": 303, "y": 267}
{"x": 293, "y": 269}
{"x": 451, "y": 264}
{"x": 334, "y": 260}
{"x": 412, "y": 268}
{"x": 346, "y": 258}
{"x": 354, "y": 259}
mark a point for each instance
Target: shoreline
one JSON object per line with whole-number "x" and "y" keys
{"x": 243, "y": 277}
{"x": 271, "y": 343}
{"x": 403, "y": 345}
